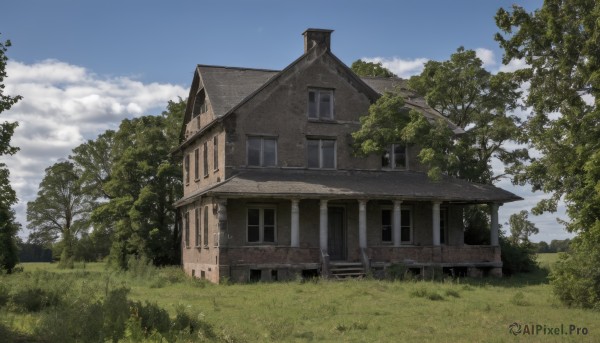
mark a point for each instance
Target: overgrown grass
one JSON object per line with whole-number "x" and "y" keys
{"x": 460, "y": 310}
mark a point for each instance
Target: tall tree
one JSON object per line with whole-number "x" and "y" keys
{"x": 481, "y": 104}
{"x": 93, "y": 159}
{"x": 560, "y": 46}
{"x": 144, "y": 183}
{"x": 521, "y": 227}
{"x": 61, "y": 209}
{"x": 8, "y": 226}
{"x": 362, "y": 68}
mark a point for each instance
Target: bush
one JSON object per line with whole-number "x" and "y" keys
{"x": 517, "y": 258}
{"x": 576, "y": 275}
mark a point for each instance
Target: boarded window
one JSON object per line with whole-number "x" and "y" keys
{"x": 205, "y": 238}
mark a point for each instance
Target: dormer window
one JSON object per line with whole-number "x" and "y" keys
{"x": 200, "y": 105}
{"x": 394, "y": 157}
{"x": 320, "y": 104}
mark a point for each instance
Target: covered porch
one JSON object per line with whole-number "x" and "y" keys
{"x": 290, "y": 223}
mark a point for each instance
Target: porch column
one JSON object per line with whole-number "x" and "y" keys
{"x": 295, "y": 225}
{"x": 494, "y": 224}
{"x": 323, "y": 222}
{"x": 436, "y": 222}
{"x": 362, "y": 223}
{"x": 396, "y": 223}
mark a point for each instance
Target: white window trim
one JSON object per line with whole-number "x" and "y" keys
{"x": 261, "y": 227}
{"x": 320, "y": 140}
{"x": 402, "y": 208}
{"x": 392, "y": 165}
{"x": 262, "y": 151}
{"x": 317, "y": 102}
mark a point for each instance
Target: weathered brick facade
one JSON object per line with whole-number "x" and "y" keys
{"x": 253, "y": 226}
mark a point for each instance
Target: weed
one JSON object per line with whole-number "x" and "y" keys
{"x": 452, "y": 293}
{"x": 519, "y": 299}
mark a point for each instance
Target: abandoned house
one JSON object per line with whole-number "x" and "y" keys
{"x": 272, "y": 189}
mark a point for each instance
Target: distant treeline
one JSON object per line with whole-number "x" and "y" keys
{"x": 555, "y": 245}
{"x": 29, "y": 252}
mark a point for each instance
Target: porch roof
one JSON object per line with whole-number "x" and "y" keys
{"x": 306, "y": 184}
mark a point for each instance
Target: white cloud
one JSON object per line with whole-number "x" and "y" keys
{"x": 63, "y": 105}
{"x": 486, "y": 56}
{"x": 400, "y": 67}
{"x": 513, "y": 65}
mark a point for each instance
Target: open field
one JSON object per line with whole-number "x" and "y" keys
{"x": 462, "y": 310}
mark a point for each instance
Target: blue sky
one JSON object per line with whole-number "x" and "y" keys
{"x": 83, "y": 66}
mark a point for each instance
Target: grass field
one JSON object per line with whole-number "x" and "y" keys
{"x": 462, "y": 310}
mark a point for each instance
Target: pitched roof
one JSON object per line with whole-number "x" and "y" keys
{"x": 403, "y": 185}
{"x": 226, "y": 87}
{"x": 411, "y": 98}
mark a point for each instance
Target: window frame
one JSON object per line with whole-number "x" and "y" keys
{"x": 205, "y": 228}
{"x": 215, "y": 153}
{"x": 187, "y": 229}
{"x": 392, "y": 159}
{"x": 317, "y": 116}
{"x": 196, "y": 163}
{"x": 205, "y": 159}
{"x": 410, "y": 226}
{"x": 320, "y": 150}
{"x": 197, "y": 227}
{"x": 262, "y": 139}
{"x": 261, "y": 226}
{"x": 186, "y": 168}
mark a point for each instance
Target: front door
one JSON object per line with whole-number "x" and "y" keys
{"x": 336, "y": 242}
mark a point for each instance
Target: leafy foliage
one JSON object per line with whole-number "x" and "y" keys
{"x": 389, "y": 122}
{"x": 141, "y": 186}
{"x": 61, "y": 209}
{"x": 521, "y": 228}
{"x": 8, "y": 226}
{"x": 560, "y": 46}
{"x": 479, "y": 103}
{"x": 362, "y": 68}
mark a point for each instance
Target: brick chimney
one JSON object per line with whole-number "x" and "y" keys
{"x": 318, "y": 37}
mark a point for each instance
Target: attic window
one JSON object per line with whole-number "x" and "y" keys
{"x": 394, "y": 157}
{"x": 200, "y": 105}
{"x": 320, "y": 104}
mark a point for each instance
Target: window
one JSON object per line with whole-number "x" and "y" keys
{"x": 321, "y": 153}
{"x": 394, "y": 157}
{"x": 205, "y": 159}
{"x": 443, "y": 224}
{"x": 262, "y": 151}
{"x": 187, "y": 229}
{"x": 186, "y": 163}
{"x": 200, "y": 105}
{"x": 386, "y": 225}
{"x": 405, "y": 226}
{"x": 196, "y": 164}
{"x": 205, "y": 238}
{"x": 197, "y": 226}
{"x": 261, "y": 225}
{"x": 216, "y": 153}
{"x": 320, "y": 104}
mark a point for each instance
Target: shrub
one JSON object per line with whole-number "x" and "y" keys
{"x": 576, "y": 276}
{"x": 517, "y": 257}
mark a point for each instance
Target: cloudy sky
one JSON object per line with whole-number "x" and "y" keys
{"x": 83, "y": 66}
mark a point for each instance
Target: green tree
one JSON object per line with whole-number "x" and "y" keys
{"x": 362, "y": 68}
{"x": 61, "y": 209}
{"x": 144, "y": 183}
{"x": 93, "y": 159}
{"x": 481, "y": 104}
{"x": 8, "y": 226}
{"x": 521, "y": 227}
{"x": 560, "y": 46}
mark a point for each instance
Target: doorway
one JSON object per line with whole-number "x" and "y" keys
{"x": 336, "y": 241}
